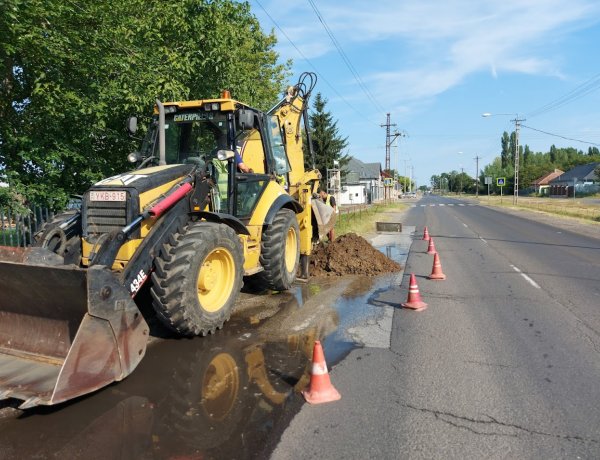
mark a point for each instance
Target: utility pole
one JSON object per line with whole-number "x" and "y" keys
{"x": 389, "y": 138}
{"x": 517, "y": 121}
{"x": 388, "y": 141}
{"x": 477, "y": 176}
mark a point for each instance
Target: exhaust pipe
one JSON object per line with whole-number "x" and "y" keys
{"x": 162, "y": 156}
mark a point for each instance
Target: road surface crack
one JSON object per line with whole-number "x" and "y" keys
{"x": 464, "y": 422}
{"x": 483, "y": 363}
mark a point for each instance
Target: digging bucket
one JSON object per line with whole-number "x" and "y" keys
{"x": 64, "y": 331}
{"x": 325, "y": 216}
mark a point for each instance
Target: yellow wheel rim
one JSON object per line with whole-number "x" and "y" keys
{"x": 220, "y": 386}
{"x": 216, "y": 279}
{"x": 291, "y": 249}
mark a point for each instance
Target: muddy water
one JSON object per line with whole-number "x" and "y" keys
{"x": 230, "y": 395}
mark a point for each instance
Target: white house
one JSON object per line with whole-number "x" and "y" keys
{"x": 367, "y": 175}
{"x": 353, "y": 194}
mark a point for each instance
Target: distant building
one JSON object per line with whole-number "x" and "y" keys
{"x": 542, "y": 186}
{"x": 361, "y": 182}
{"x": 582, "y": 179}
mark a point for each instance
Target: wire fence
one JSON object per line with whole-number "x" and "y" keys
{"x": 17, "y": 229}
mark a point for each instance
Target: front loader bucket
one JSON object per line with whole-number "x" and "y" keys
{"x": 64, "y": 331}
{"x": 325, "y": 216}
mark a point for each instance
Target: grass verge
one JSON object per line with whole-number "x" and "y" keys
{"x": 579, "y": 209}
{"x": 362, "y": 220}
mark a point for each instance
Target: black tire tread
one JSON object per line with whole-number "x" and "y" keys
{"x": 272, "y": 256}
{"x": 174, "y": 267}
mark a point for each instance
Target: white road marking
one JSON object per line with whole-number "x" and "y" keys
{"x": 483, "y": 240}
{"x": 527, "y": 278}
{"x": 465, "y": 225}
{"x": 461, "y": 204}
{"x": 441, "y": 204}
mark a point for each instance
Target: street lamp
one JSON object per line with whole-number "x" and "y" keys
{"x": 517, "y": 121}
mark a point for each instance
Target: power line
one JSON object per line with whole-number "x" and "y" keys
{"x": 310, "y": 63}
{"x": 562, "y": 137}
{"x": 577, "y": 93}
{"x": 345, "y": 58}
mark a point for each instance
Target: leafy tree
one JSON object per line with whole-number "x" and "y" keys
{"x": 553, "y": 153}
{"x": 505, "y": 154}
{"x": 406, "y": 183}
{"x": 526, "y": 155}
{"x": 512, "y": 147}
{"x": 72, "y": 72}
{"x": 495, "y": 170}
{"x": 327, "y": 143}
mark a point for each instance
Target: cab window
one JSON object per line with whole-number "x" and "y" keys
{"x": 194, "y": 135}
{"x": 282, "y": 164}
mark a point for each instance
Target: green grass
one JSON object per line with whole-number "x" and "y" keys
{"x": 362, "y": 220}
{"x": 557, "y": 206}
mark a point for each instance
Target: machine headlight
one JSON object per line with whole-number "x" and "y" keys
{"x": 134, "y": 157}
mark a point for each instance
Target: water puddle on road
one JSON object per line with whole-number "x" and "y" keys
{"x": 230, "y": 395}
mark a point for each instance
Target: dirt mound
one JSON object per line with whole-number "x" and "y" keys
{"x": 350, "y": 254}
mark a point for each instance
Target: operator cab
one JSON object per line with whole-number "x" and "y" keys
{"x": 214, "y": 135}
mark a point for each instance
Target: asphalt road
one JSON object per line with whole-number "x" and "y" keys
{"x": 504, "y": 362}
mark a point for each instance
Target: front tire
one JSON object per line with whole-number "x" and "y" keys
{"x": 280, "y": 251}
{"x": 197, "y": 278}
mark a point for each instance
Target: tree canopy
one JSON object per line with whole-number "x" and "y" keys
{"x": 72, "y": 72}
{"x": 532, "y": 166}
{"x": 327, "y": 143}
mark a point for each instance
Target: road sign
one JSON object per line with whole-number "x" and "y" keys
{"x": 488, "y": 180}
{"x": 501, "y": 181}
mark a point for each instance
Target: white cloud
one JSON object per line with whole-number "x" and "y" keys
{"x": 440, "y": 42}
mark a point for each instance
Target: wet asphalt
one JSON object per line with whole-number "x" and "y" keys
{"x": 504, "y": 362}
{"x": 230, "y": 395}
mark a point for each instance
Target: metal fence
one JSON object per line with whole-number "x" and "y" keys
{"x": 18, "y": 229}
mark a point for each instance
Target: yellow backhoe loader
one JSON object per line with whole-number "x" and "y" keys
{"x": 185, "y": 225}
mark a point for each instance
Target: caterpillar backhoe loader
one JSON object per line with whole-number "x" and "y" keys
{"x": 185, "y": 225}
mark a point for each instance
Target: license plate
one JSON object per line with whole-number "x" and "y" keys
{"x": 108, "y": 195}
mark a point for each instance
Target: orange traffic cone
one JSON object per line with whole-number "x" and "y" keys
{"x": 431, "y": 247}
{"x": 320, "y": 390}
{"x": 425, "y": 234}
{"x": 414, "y": 301}
{"x": 436, "y": 271}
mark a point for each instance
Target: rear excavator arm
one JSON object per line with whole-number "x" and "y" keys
{"x": 292, "y": 111}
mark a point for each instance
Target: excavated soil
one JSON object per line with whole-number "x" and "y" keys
{"x": 350, "y": 254}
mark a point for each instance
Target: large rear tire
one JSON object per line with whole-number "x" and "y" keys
{"x": 197, "y": 278}
{"x": 280, "y": 251}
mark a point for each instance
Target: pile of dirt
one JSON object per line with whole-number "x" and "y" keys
{"x": 350, "y": 254}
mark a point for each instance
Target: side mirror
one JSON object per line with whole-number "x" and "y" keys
{"x": 225, "y": 155}
{"x": 132, "y": 125}
{"x": 245, "y": 119}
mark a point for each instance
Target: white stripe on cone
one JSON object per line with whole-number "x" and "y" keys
{"x": 319, "y": 369}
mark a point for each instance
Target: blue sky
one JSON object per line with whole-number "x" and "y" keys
{"x": 436, "y": 66}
